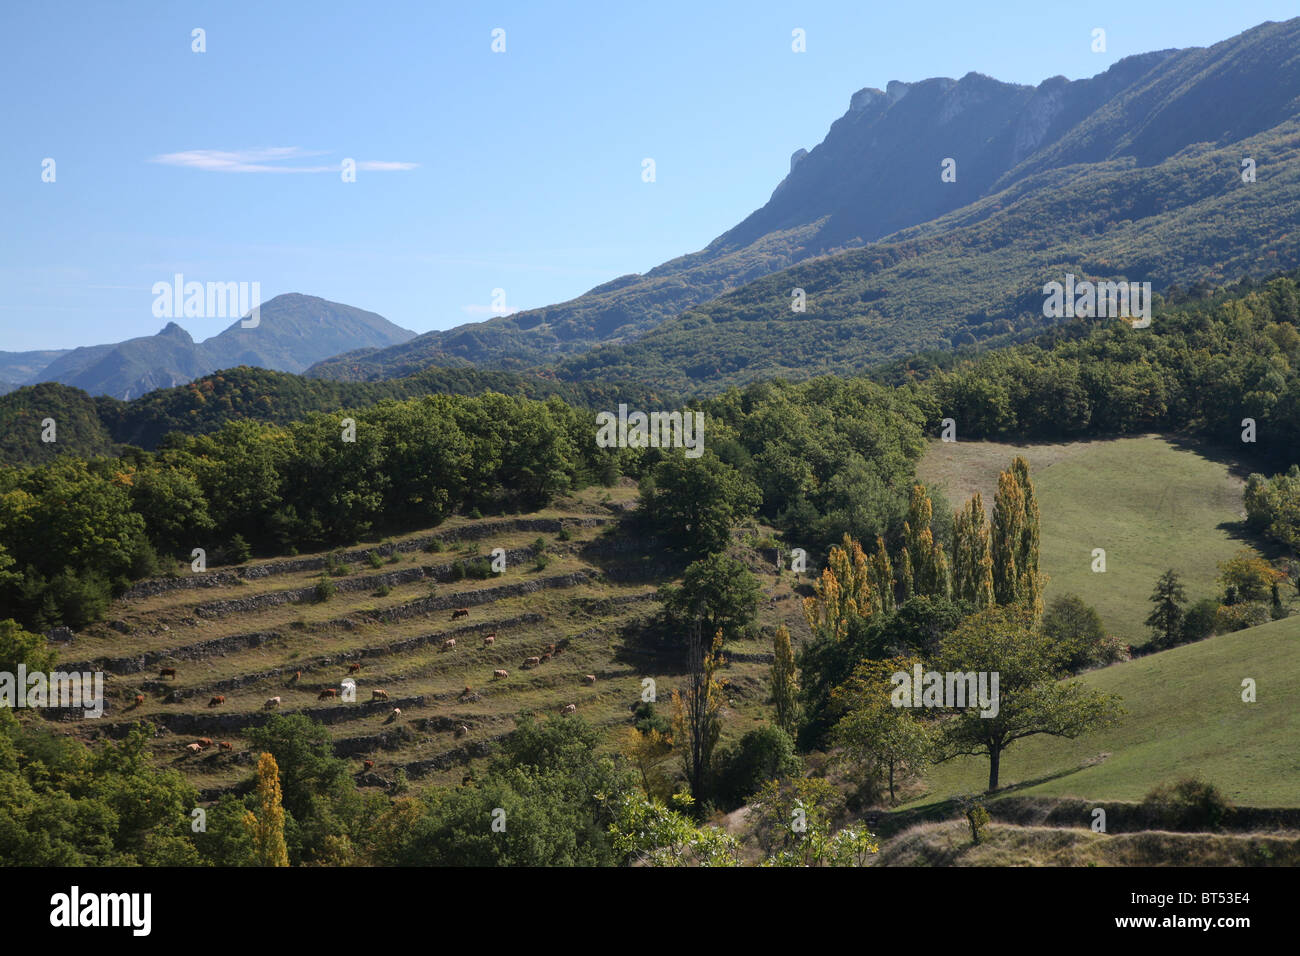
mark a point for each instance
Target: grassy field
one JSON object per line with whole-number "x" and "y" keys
{"x": 1150, "y": 503}
{"x": 1185, "y": 716}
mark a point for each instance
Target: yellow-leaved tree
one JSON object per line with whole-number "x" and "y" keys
{"x": 267, "y": 828}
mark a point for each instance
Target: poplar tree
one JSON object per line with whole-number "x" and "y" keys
{"x": 882, "y": 577}
{"x": 1008, "y": 531}
{"x": 843, "y": 591}
{"x": 267, "y": 829}
{"x": 784, "y": 689}
{"x": 972, "y": 570}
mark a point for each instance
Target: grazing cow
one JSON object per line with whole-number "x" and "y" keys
{"x": 167, "y": 672}
{"x": 225, "y": 745}
{"x": 462, "y": 730}
{"x": 546, "y": 657}
{"x": 193, "y": 748}
{"x": 139, "y": 699}
{"x": 297, "y": 676}
{"x": 589, "y": 678}
{"x": 500, "y": 673}
{"x": 460, "y": 612}
{"x": 369, "y": 765}
{"x": 219, "y": 699}
{"x": 204, "y": 742}
{"x": 467, "y": 691}
{"x": 327, "y": 693}
{"x": 353, "y": 668}
{"x": 271, "y": 703}
{"x": 449, "y": 643}
{"x": 570, "y": 709}
{"x": 532, "y": 662}
{"x": 379, "y": 695}
{"x": 397, "y": 712}
{"x": 490, "y": 639}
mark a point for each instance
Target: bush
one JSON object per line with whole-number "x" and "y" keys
{"x": 1189, "y": 804}
{"x": 383, "y": 591}
{"x": 334, "y": 565}
{"x": 374, "y": 560}
{"x": 324, "y": 590}
{"x": 476, "y": 514}
{"x": 479, "y": 569}
{"x": 539, "y": 545}
{"x": 1237, "y": 617}
{"x": 434, "y": 546}
{"x": 541, "y": 561}
{"x": 458, "y": 570}
{"x": 1199, "y": 623}
{"x": 647, "y": 720}
{"x": 765, "y": 753}
{"x": 563, "y": 535}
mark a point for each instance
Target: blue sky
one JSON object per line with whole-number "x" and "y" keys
{"x": 518, "y": 170}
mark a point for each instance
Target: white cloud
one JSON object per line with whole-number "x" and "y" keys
{"x": 266, "y": 159}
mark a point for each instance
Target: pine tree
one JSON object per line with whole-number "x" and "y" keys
{"x": 1166, "y": 621}
{"x": 784, "y": 687}
{"x": 267, "y": 829}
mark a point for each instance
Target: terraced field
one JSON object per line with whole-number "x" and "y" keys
{"x": 261, "y": 631}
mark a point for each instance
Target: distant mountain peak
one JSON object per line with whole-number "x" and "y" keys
{"x": 172, "y": 330}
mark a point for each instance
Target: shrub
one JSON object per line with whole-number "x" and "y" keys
{"x": 563, "y": 535}
{"x": 1237, "y": 617}
{"x": 383, "y": 590}
{"x": 458, "y": 570}
{"x": 765, "y": 753}
{"x": 325, "y": 589}
{"x": 476, "y": 514}
{"x": 434, "y": 546}
{"x": 374, "y": 560}
{"x": 1201, "y": 619}
{"x": 541, "y": 561}
{"x": 1189, "y": 804}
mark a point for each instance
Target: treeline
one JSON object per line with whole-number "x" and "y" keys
{"x": 76, "y": 531}
{"x": 1203, "y": 366}
{"x": 88, "y": 426}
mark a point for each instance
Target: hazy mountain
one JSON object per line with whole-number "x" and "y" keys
{"x": 877, "y": 174}
{"x": 293, "y": 332}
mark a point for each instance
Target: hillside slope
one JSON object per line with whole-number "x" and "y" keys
{"x": 1089, "y": 155}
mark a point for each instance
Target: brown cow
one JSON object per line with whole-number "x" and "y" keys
{"x": 219, "y": 699}
{"x": 327, "y": 693}
{"x": 193, "y": 748}
{"x": 460, "y": 612}
{"x": 139, "y": 699}
{"x": 532, "y": 662}
{"x": 353, "y": 668}
{"x": 167, "y": 672}
{"x": 589, "y": 678}
{"x": 490, "y": 639}
{"x": 379, "y": 695}
{"x": 225, "y": 745}
{"x": 467, "y": 691}
{"x": 204, "y": 742}
{"x": 297, "y": 676}
{"x": 500, "y": 673}
{"x": 570, "y": 709}
{"x": 546, "y": 657}
{"x": 369, "y": 765}
{"x": 271, "y": 703}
